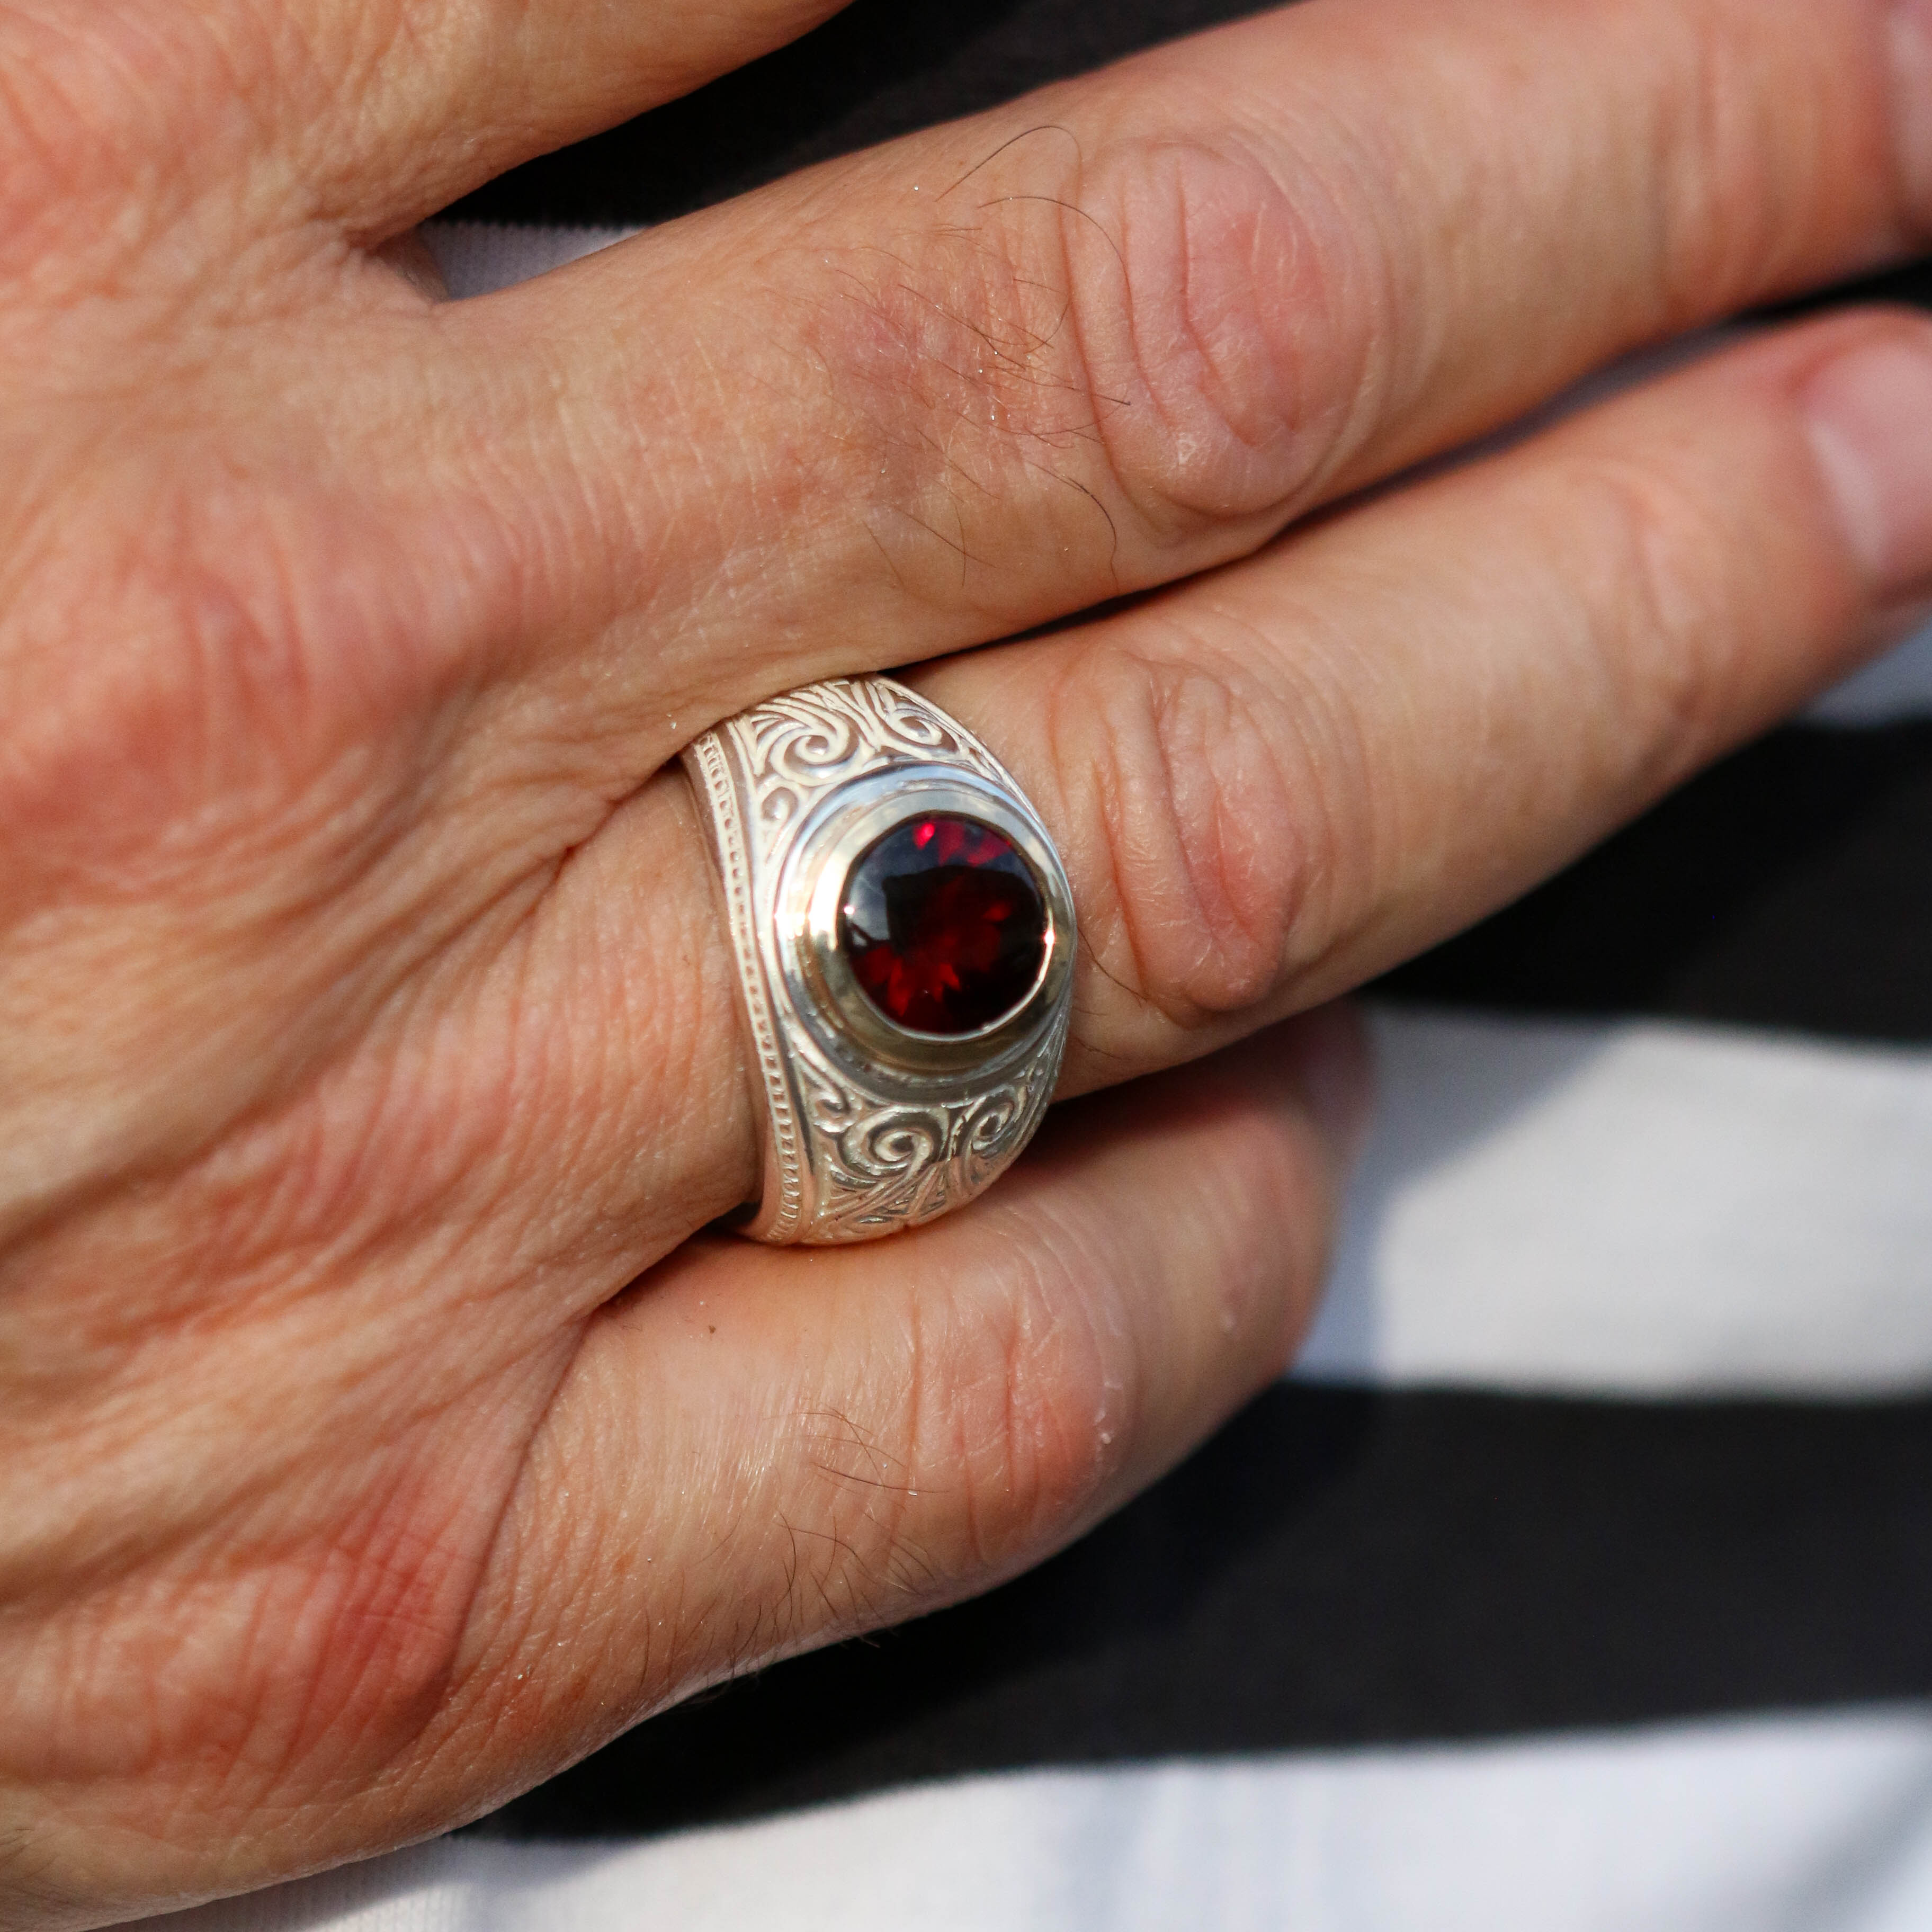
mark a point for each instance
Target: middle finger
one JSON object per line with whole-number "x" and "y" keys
{"x": 1128, "y": 329}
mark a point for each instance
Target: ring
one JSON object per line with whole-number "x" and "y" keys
{"x": 904, "y": 934}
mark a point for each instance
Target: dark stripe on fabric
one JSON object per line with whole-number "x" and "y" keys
{"x": 1911, "y": 284}
{"x": 1790, "y": 886}
{"x": 1340, "y": 1567}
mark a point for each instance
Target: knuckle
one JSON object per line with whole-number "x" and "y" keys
{"x": 275, "y": 1673}
{"x": 1707, "y": 235}
{"x": 1744, "y": 160}
{"x": 1160, "y": 341}
{"x": 1232, "y": 317}
{"x": 1014, "y": 1405}
{"x": 1200, "y": 836}
{"x": 1663, "y": 610}
{"x": 1029, "y": 1391}
{"x": 237, "y": 649}
{"x": 1031, "y": 1383}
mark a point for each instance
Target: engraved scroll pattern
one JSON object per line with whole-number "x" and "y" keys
{"x": 878, "y": 1164}
{"x": 884, "y": 1165}
{"x": 798, "y": 745}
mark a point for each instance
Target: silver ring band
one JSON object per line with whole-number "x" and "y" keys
{"x": 904, "y": 935}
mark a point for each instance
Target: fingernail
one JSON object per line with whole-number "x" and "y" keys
{"x": 1909, "y": 45}
{"x": 1870, "y": 414}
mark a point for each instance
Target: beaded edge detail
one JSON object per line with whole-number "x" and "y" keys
{"x": 734, "y": 859}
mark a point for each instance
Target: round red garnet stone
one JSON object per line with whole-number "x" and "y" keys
{"x": 944, "y": 925}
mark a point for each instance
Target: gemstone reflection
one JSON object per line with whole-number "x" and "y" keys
{"x": 944, "y": 925}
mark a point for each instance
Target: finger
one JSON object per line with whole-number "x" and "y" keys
{"x": 758, "y": 1450}
{"x": 1125, "y": 330}
{"x": 1275, "y": 782}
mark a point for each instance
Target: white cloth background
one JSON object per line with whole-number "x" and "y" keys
{"x": 1639, "y": 1832}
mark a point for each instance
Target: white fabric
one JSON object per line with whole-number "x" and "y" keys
{"x": 477, "y": 257}
{"x": 1815, "y": 1825}
{"x": 1636, "y": 1207}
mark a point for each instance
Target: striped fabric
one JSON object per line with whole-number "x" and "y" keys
{"x": 1579, "y": 1577}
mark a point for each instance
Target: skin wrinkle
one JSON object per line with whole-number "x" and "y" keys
{"x": 99, "y": 1539}
{"x": 1661, "y": 602}
{"x": 1707, "y": 241}
{"x": 1190, "y": 328}
{"x": 1201, "y": 722}
{"x": 359, "y": 1581}
{"x": 1257, "y": 406}
{"x": 1333, "y": 736}
{"x": 1094, "y": 1442}
{"x": 1076, "y": 314}
{"x": 1154, "y": 685}
{"x": 203, "y": 204}
{"x": 1096, "y": 930}
{"x": 1006, "y": 397}
{"x": 957, "y": 1441}
{"x": 1055, "y": 1369}
{"x": 1156, "y": 482}
{"x": 1227, "y": 923}
{"x": 1101, "y": 797}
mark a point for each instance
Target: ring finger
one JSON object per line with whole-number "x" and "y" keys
{"x": 1274, "y": 782}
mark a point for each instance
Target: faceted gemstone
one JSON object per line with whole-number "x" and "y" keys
{"x": 943, "y": 924}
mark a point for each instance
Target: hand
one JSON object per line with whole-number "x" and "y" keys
{"x": 377, "y": 1430}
